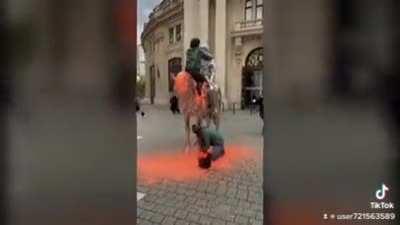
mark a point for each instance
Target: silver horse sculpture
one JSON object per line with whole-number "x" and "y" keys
{"x": 214, "y": 99}
{"x": 204, "y": 108}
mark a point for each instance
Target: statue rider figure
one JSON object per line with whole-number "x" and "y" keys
{"x": 207, "y": 66}
{"x": 197, "y": 61}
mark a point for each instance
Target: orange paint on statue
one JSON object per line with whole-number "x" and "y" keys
{"x": 178, "y": 166}
{"x": 200, "y": 101}
{"x": 182, "y": 83}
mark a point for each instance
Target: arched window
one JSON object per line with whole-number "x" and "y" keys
{"x": 252, "y": 77}
{"x": 253, "y": 10}
{"x": 255, "y": 59}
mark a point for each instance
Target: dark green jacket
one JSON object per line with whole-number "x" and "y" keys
{"x": 209, "y": 137}
{"x": 194, "y": 57}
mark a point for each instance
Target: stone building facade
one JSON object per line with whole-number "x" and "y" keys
{"x": 233, "y": 29}
{"x": 140, "y": 62}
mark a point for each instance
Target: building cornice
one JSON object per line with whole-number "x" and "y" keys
{"x": 165, "y": 12}
{"x": 247, "y": 28}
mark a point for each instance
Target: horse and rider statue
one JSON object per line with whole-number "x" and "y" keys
{"x": 198, "y": 94}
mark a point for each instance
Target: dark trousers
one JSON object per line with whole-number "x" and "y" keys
{"x": 199, "y": 78}
{"x": 217, "y": 152}
{"x": 174, "y": 105}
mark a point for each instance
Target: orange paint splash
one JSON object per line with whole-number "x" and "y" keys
{"x": 178, "y": 166}
{"x": 182, "y": 83}
{"x": 200, "y": 101}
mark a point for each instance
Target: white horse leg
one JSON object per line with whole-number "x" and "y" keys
{"x": 200, "y": 121}
{"x": 208, "y": 120}
{"x": 187, "y": 134}
{"x": 217, "y": 114}
{"x": 216, "y": 120}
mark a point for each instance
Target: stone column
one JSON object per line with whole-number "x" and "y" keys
{"x": 220, "y": 45}
{"x": 204, "y": 18}
{"x": 235, "y": 72}
{"x": 190, "y": 20}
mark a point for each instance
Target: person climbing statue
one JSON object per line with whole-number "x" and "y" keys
{"x": 194, "y": 57}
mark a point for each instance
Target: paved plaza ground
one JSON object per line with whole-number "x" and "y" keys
{"x": 78, "y": 161}
{"x": 232, "y": 196}
{"x": 329, "y": 148}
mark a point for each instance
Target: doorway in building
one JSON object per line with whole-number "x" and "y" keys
{"x": 152, "y": 84}
{"x": 174, "y": 67}
{"x": 252, "y": 77}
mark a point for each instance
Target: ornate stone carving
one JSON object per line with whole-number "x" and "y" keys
{"x": 238, "y": 57}
{"x": 238, "y": 49}
{"x": 238, "y": 42}
{"x": 252, "y": 37}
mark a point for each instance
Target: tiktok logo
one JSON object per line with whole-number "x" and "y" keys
{"x": 381, "y": 193}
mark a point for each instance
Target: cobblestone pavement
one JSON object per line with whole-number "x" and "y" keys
{"x": 221, "y": 197}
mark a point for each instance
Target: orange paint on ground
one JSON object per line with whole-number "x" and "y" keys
{"x": 178, "y": 166}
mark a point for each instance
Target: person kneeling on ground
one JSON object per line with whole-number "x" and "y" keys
{"x": 211, "y": 145}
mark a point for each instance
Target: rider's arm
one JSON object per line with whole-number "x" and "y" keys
{"x": 187, "y": 57}
{"x": 205, "y": 54}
